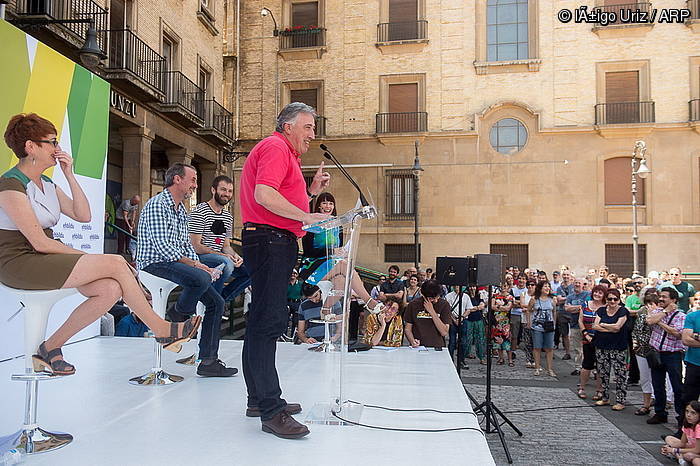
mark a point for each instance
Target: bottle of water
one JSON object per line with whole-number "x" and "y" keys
{"x": 11, "y": 457}
{"x": 216, "y": 274}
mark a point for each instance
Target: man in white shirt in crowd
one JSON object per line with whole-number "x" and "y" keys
{"x": 125, "y": 218}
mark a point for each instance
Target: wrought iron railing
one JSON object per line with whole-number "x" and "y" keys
{"x": 624, "y": 112}
{"x": 694, "y": 7}
{"x": 216, "y": 117}
{"x": 68, "y": 9}
{"x": 292, "y": 39}
{"x": 402, "y": 122}
{"x": 180, "y": 90}
{"x": 320, "y": 126}
{"x": 621, "y": 11}
{"x": 128, "y": 52}
{"x": 407, "y": 30}
{"x": 694, "y": 110}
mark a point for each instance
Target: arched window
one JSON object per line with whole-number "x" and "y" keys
{"x": 618, "y": 182}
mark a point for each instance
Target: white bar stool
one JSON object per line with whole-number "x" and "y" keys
{"x": 191, "y": 360}
{"x": 37, "y": 305}
{"x": 160, "y": 289}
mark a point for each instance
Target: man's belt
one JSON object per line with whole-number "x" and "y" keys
{"x": 249, "y": 226}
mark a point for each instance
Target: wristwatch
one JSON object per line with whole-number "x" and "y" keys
{"x": 311, "y": 196}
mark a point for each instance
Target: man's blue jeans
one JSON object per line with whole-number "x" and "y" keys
{"x": 196, "y": 286}
{"x": 238, "y": 275}
{"x": 270, "y": 257}
{"x": 671, "y": 363}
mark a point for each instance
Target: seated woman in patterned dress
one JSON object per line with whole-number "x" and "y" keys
{"x": 30, "y": 259}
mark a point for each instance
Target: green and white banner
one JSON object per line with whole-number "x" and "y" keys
{"x": 38, "y": 79}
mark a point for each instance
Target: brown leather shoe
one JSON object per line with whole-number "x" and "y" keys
{"x": 291, "y": 408}
{"x": 285, "y": 426}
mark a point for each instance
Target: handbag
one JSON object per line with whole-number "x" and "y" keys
{"x": 653, "y": 356}
{"x": 547, "y": 325}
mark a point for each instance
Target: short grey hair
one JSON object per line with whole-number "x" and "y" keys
{"x": 178, "y": 168}
{"x": 290, "y": 112}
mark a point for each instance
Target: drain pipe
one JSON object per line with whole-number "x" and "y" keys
{"x": 238, "y": 69}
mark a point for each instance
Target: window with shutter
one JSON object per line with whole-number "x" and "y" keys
{"x": 403, "y": 19}
{"x": 307, "y": 96}
{"x": 403, "y": 107}
{"x": 618, "y": 182}
{"x": 622, "y": 97}
{"x": 515, "y": 254}
{"x": 620, "y": 259}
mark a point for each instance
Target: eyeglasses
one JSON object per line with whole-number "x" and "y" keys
{"x": 53, "y": 142}
{"x": 675, "y": 274}
{"x": 612, "y": 298}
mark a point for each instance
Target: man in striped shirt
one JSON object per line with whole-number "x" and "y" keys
{"x": 211, "y": 229}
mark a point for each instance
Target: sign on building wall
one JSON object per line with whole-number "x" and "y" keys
{"x": 40, "y": 80}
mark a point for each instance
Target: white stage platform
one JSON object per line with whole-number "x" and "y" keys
{"x": 202, "y": 421}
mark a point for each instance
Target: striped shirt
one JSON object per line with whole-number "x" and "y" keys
{"x": 670, "y": 343}
{"x": 163, "y": 235}
{"x": 214, "y": 228}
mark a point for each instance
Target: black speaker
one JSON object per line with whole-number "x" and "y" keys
{"x": 451, "y": 271}
{"x": 488, "y": 269}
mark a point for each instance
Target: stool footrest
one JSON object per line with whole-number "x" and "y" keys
{"x": 35, "y": 376}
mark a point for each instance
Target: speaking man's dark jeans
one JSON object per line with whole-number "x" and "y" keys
{"x": 196, "y": 286}
{"x": 671, "y": 363}
{"x": 270, "y": 257}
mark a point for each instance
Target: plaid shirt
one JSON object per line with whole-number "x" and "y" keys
{"x": 671, "y": 343}
{"x": 162, "y": 233}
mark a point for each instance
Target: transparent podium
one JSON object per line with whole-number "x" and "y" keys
{"x": 335, "y": 280}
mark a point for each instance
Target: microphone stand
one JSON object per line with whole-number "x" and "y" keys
{"x": 329, "y": 155}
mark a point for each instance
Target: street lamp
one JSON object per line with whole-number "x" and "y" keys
{"x": 267, "y": 12}
{"x": 641, "y": 170}
{"x": 416, "y": 169}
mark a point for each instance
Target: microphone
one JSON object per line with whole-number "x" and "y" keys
{"x": 329, "y": 155}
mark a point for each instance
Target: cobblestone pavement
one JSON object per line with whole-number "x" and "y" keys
{"x": 560, "y": 428}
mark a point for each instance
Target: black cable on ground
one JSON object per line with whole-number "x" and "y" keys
{"x": 400, "y": 429}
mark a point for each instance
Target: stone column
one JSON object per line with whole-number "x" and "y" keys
{"x": 208, "y": 172}
{"x": 179, "y": 154}
{"x": 136, "y": 170}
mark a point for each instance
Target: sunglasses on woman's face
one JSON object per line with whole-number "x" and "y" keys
{"x": 612, "y": 298}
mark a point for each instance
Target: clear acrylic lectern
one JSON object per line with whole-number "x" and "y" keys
{"x": 336, "y": 288}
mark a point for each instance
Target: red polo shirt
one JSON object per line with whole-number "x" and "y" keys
{"x": 273, "y": 162}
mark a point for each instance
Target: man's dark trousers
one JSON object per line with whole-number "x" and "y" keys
{"x": 196, "y": 286}
{"x": 671, "y": 363}
{"x": 270, "y": 257}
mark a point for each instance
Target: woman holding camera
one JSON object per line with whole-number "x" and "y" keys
{"x": 544, "y": 313}
{"x": 611, "y": 348}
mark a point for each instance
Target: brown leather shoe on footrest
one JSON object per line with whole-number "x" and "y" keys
{"x": 285, "y": 426}
{"x": 291, "y": 408}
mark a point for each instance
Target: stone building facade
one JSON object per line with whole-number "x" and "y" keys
{"x": 525, "y": 124}
{"x": 164, "y": 62}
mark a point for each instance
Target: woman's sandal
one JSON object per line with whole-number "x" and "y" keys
{"x": 376, "y": 309}
{"x": 602, "y": 403}
{"x": 643, "y": 411}
{"x": 175, "y": 340}
{"x": 500, "y": 362}
{"x": 597, "y": 397}
{"x": 42, "y": 360}
{"x": 618, "y": 407}
{"x": 511, "y": 364}
{"x": 582, "y": 393}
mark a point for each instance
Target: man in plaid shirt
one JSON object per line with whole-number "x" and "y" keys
{"x": 666, "y": 326}
{"x": 164, "y": 250}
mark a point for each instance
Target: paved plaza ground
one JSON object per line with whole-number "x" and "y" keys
{"x": 558, "y": 427}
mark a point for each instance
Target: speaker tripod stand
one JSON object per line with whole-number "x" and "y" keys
{"x": 488, "y": 408}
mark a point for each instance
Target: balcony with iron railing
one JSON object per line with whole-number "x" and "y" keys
{"x": 218, "y": 124}
{"x": 294, "y": 38}
{"x": 134, "y": 63}
{"x": 694, "y": 110}
{"x": 402, "y": 31}
{"x": 624, "y": 13}
{"x": 694, "y": 7}
{"x": 184, "y": 100}
{"x": 402, "y": 122}
{"x": 61, "y": 10}
{"x": 624, "y": 113}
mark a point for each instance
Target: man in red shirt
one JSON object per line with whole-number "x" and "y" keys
{"x": 274, "y": 206}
